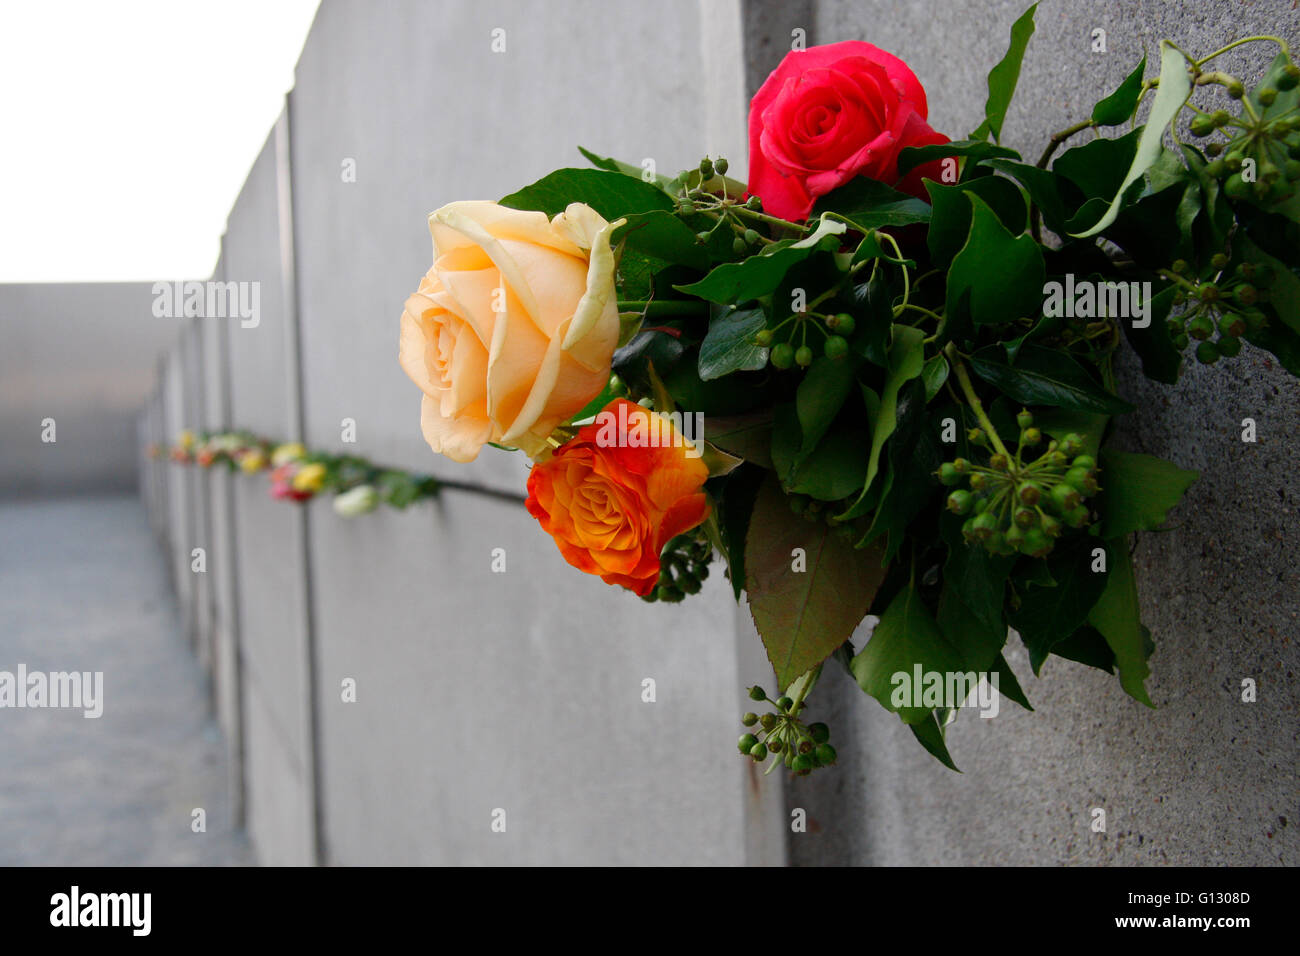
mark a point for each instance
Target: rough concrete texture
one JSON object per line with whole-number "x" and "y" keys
{"x": 82, "y": 354}
{"x": 478, "y": 690}
{"x": 1205, "y": 778}
{"x": 86, "y": 590}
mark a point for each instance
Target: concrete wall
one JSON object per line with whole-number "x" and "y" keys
{"x": 84, "y": 355}
{"x": 478, "y": 691}
{"x": 1205, "y": 779}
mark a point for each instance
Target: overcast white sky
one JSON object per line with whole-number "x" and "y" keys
{"x": 127, "y": 128}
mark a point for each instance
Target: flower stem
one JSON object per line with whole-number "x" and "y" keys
{"x": 963, "y": 379}
{"x": 664, "y": 307}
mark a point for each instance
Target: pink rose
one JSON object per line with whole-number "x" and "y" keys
{"x": 828, "y": 114}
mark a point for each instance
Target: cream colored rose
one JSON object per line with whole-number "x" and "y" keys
{"x": 512, "y": 330}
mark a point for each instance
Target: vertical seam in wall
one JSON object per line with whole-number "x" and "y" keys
{"x": 234, "y": 632}
{"x": 289, "y": 288}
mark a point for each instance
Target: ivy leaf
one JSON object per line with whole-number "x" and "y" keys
{"x": 1043, "y": 187}
{"x": 974, "y": 150}
{"x": 759, "y": 275}
{"x": 834, "y": 468}
{"x": 1002, "y": 274}
{"x": 951, "y": 221}
{"x": 978, "y": 577}
{"x": 803, "y": 616}
{"x": 735, "y": 505}
{"x": 1161, "y": 362}
{"x": 868, "y": 204}
{"x": 1004, "y": 77}
{"x": 906, "y": 359}
{"x": 1049, "y": 615}
{"x": 1099, "y": 166}
{"x": 929, "y": 733}
{"x": 1043, "y": 376}
{"x": 1175, "y": 87}
{"x": 611, "y": 194}
{"x": 1138, "y": 491}
{"x": 914, "y": 454}
{"x": 906, "y": 637}
{"x": 1008, "y": 686}
{"x": 617, "y": 166}
{"x": 1119, "y": 106}
{"x": 1086, "y": 646}
{"x": 934, "y": 373}
{"x": 1116, "y": 618}
{"x": 661, "y": 234}
{"x": 824, "y": 388}
{"x": 729, "y": 345}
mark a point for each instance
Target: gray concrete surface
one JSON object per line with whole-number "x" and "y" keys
{"x": 82, "y": 354}
{"x": 479, "y": 690}
{"x": 84, "y": 588}
{"x": 1205, "y": 779}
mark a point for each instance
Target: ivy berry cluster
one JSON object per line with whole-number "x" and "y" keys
{"x": 1016, "y": 505}
{"x": 781, "y": 734}
{"x": 683, "y": 568}
{"x": 1268, "y": 142}
{"x": 1217, "y": 301}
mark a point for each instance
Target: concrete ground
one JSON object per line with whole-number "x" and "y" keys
{"x": 83, "y": 587}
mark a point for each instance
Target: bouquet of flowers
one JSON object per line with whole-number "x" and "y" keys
{"x": 877, "y": 378}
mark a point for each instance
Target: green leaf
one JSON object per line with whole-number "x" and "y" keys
{"x": 1048, "y": 615}
{"x": 661, "y": 234}
{"x": 824, "y": 388}
{"x": 1138, "y": 491}
{"x": 617, "y": 166}
{"x": 729, "y": 345}
{"x": 906, "y": 359}
{"x": 1008, "y": 686}
{"x": 975, "y": 150}
{"x": 748, "y": 435}
{"x": 1119, "y": 106}
{"x": 611, "y": 194}
{"x": 1043, "y": 188}
{"x": 832, "y": 470}
{"x": 1004, "y": 76}
{"x": 951, "y": 221}
{"x": 1086, "y": 646}
{"x": 1099, "y": 166}
{"x": 929, "y": 733}
{"x": 1043, "y": 376}
{"x": 978, "y": 642}
{"x": 739, "y": 282}
{"x": 1002, "y": 274}
{"x": 934, "y": 373}
{"x": 1116, "y": 617}
{"x": 906, "y": 637}
{"x": 1175, "y": 87}
{"x": 868, "y": 204}
{"x": 803, "y": 616}
{"x": 1160, "y": 360}
{"x": 733, "y": 509}
{"x": 978, "y": 577}
{"x": 914, "y": 453}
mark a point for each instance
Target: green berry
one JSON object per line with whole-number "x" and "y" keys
{"x": 981, "y": 502}
{"x": 997, "y": 544}
{"x": 1025, "y": 517}
{"x": 1051, "y": 527}
{"x": 706, "y": 168}
{"x": 1266, "y": 95}
{"x": 1076, "y": 517}
{"x": 1255, "y": 320}
{"x": 825, "y": 754}
{"x": 836, "y": 347}
{"x": 1036, "y": 544}
{"x": 746, "y": 743}
{"x": 758, "y": 752}
{"x": 1228, "y": 347}
{"x": 1207, "y": 353}
{"x": 1014, "y": 536}
{"x": 1219, "y": 261}
{"x": 1180, "y": 341}
{"x": 1246, "y": 294}
{"x": 959, "y": 502}
{"x": 1213, "y": 149}
{"x": 1080, "y": 479}
{"x": 784, "y": 703}
{"x": 1232, "y": 325}
{"x": 1179, "y": 266}
{"x": 775, "y": 745}
{"x": 757, "y": 693}
{"x": 1029, "y": 493}
{"x": 1220, "y": 118}
{"x": 1031, "y": 437}
{"x": 751, "y": 237}
{"x": 1084, "y": 461}
{"x": 998, "y": 462}
{"x": 754, "y": 203}
{"x": 1200, "y": 327}
{"x": 1202, "y": 125}
{"x": 1066, "y": 497}
{"x": 1072, "y": 444}
{"x": 820, "y": 732}
{"x": 978, "y": 482}
{"x": 1024, "y": 419}
{"x": 738, "y": 246}
{"x": 1217, "y": 168}
{"x": 1289, "y": 77}
{"x": 782, "y": 355}
{"x": 1207, "y": 292}
{"x": 802, "y": 764}
{"x": 720, "y": 164}
{"x": 702, "y": 236}
{"x": 768, "y": 721}
{"x": 976, "y": 436}
{"x": 749, "y": 720}
{"x": 763, "y": 338}
{"x": 804, "y": 356}
{"x": 948, "y": 475}
{"x": 1235, "y": 88}
{"x": 983, "y": 525}
{"x": 961, "y": 465}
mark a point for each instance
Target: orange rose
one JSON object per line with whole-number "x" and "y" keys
{"x": 611, "y": 503}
